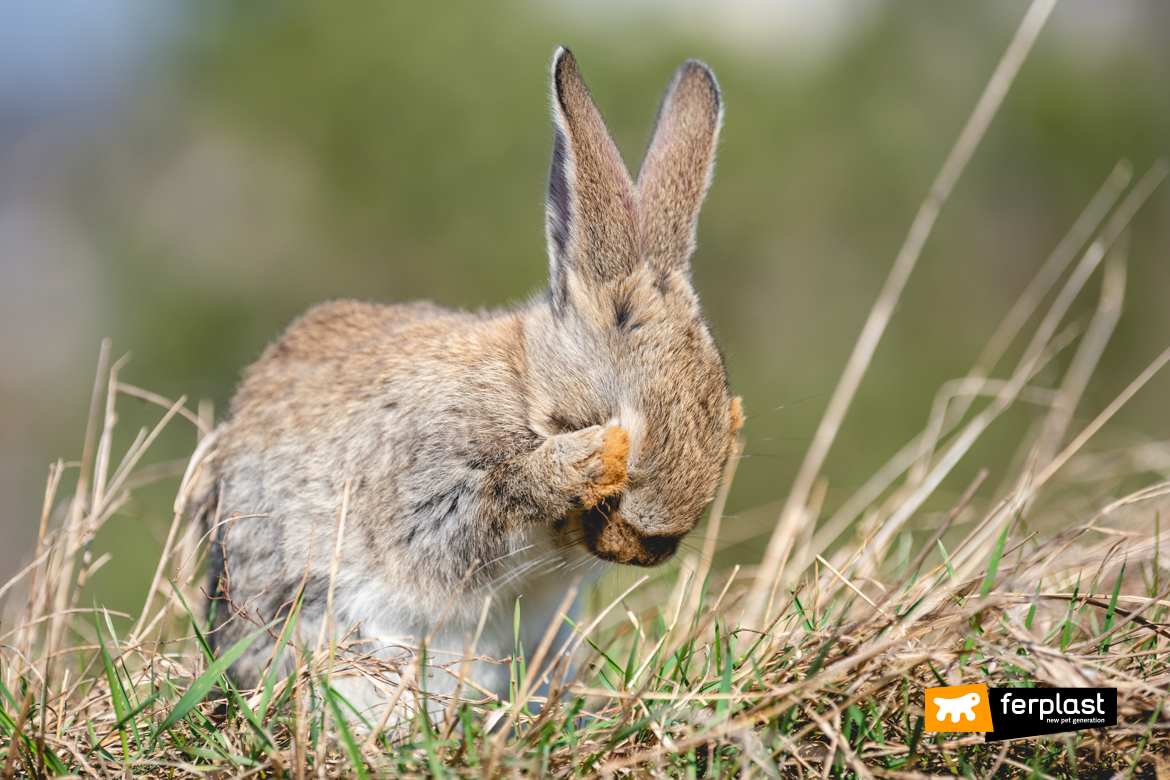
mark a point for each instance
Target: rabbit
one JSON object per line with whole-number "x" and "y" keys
{"x": 495, "y": 453}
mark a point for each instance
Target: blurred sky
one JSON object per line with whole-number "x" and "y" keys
{"x": 187, "y": 177}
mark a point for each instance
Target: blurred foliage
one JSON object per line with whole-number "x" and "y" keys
{"x": 294, "y": 152}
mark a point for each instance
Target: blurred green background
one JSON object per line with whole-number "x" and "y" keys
{"x": 237, "y": 163}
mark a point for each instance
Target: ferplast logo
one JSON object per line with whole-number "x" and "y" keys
{"x": 1030, "y": 712}
{"x": 1012, "y": 713}
{"x": 958, "y": 708}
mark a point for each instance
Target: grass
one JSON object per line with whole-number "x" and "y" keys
{"x": 814, "y": 665}
{"x": 668, "y": 682}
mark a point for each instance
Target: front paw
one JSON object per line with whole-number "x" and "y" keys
{"x": 598, "y": 457}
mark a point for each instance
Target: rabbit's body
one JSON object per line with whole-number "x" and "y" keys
{"x": 517, "y": 446}
{"x": 374, "y": 394}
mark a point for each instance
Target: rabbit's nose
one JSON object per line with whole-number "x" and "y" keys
{"x": 611, "y": 538}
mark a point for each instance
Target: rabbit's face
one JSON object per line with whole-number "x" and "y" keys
{"x": 626, "y": 343}
{"x": 651, "y": 367}
{"x": 674, "y": 403}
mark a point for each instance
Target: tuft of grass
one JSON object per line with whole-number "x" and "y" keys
{"x": 674, "y": 677}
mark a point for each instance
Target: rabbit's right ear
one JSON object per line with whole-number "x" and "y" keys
{"x": 678, "y": 166}
{"x": 590, "y": 204}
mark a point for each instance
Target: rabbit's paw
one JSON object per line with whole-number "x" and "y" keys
{"x": 601, "y": 462}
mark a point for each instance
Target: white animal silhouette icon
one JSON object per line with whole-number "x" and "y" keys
{"x": 960, "y": 705}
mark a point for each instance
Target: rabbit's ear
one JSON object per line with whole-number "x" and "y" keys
{"x": 678, "y": 165}
{"x": 590, "y": 205}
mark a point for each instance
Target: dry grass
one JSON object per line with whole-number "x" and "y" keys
{"x": 1055, "y": 578}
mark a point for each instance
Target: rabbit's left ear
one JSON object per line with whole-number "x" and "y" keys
{"x": 678, "y": 165}
{"x": 590, "y": 204}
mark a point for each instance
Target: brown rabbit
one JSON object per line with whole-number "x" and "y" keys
{"x": 592, "y": 423}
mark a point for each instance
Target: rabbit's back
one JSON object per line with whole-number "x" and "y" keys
{"x": 348, "y": 374}
{"x": 337, "y": 358}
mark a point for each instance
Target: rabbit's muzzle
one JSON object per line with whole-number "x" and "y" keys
{"x": 608, "y": 536}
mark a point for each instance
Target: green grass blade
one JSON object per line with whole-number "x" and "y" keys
{"x": 117, "y": 694}
{"x": 632, "y": 661}
{"x": 919, "y": 726}
{"x": 1066, "y": 635}
{"x": 199, "y": 689}
{"x": 993, "y": 564}
{"x": 348, "y": 743}
{"x": 1032, "y": 609}
{"x": 1112, "y": 610}
{"x": 286, "y": 633}
{"x": 947, "y": 562}
{"x": 803, "y": 615}
{"x": 131, "y": 715}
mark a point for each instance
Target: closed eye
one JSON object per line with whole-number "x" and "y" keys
{"x": 561, "y": 423}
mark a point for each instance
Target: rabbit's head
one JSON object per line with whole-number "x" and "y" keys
{"x": 625, "y": 342}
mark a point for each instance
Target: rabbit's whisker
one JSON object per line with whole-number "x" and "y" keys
{"x": 784, "y": 406}
{"x": 508, "y": 555}
{"x": 523, "y": 570}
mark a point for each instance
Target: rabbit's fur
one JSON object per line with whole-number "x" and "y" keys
{"x": 592, "y": 423}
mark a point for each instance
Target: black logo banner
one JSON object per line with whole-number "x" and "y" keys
{"x": 1030, "y": 712}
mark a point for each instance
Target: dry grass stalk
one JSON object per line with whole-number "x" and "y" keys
{"x": 794, "y": 513}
